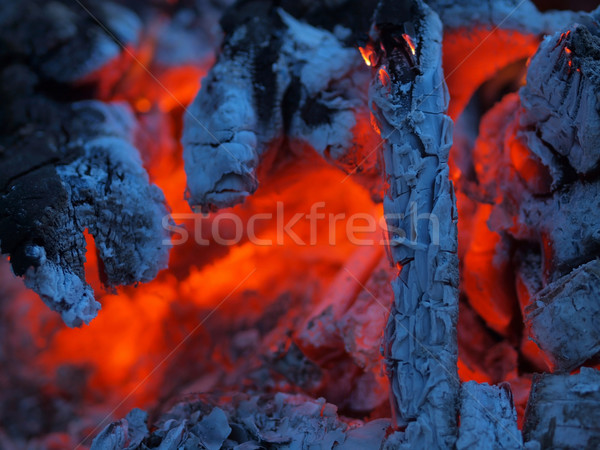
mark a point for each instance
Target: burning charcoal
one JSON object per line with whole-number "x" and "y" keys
{"x": 126, "y": 433}
{"x": 518, "y": 15}
{"x": 563, "y": 411}
{"x": 481, "y": 38}
{"x": 67, "y": 168}
{"x": 410, "y": 101}
{"x": 488, "y": 419}
{"x": 565, "y": 317}
{"x": 322, "y": 328}
{"x": 62, "y": 41}
{"x": 568, "y": 223}
{"x": 562, "y": 118}
{"x": 275, "y": 77}
{"x": 280, "y": 421}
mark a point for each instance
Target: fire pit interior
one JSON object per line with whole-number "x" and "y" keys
{"x": 350, "y": 224}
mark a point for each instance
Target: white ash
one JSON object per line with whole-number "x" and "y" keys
{"x": 280, "y": 421}
{"x": 488, "y": 419}
{"x": 127, "y": 433}
{"x": 333, "y": 77}
{"x": 74, "y": 169}
{"x": 421, "y": 347}
{"x": 276, "y": 77}
{"x": 114, "y": 198}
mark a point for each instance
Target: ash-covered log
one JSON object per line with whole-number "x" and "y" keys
{"x": 488, "y": 419}
{"x": 75, "y": 169}
{"x": 563, "y": 411}
{"x": 69, "y": 164}
{"x": 276, "y": 78}
{"x": 564, "y": 317}
{"x": 61, "y": 41}
{"x": 410, "y": 100}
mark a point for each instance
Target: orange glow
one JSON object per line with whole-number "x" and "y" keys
{"x": 137, "y": 327}
{"x": 197, "y": 303}
{"x": 366, "y": 55}
{"x": 472, "y": 56}
{"x": 143, "y": 105}
{"x": 486, "y": 274}
{"x": 384, "y": 77}
{"x": 410, "y": 43}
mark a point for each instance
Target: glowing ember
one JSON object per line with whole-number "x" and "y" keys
{"x": 366, "y": 55}
{"x": 289, "y": 292}
{"x": 384, "y": 77}
{"x": 410, "y": 43}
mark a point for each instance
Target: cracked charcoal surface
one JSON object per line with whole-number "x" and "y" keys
{"x": 421, "y": 348}
{"x": 556, "y": 207}
{"x": 67, "y": 167}
{"x": 488, "y": 419}
{"x": 555, "y": 111}
{"x": 564, "y": 317}
{"x": 280, "y": 421}
{"x": 562, "y": 116}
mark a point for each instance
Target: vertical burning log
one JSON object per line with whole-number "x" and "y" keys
{"x": 409, "y": 100}
{"x": 488, "y": 418}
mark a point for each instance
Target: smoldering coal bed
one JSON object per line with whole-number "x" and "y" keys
{"x": 338, "y": 224}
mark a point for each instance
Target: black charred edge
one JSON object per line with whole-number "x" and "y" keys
{"x": 354, "y": 15}
{"x": 391, "y": 21}
{"x": 262, "y": 41}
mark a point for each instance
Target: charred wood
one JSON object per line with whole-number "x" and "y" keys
{"x": 276, "y": 77}
{"x": 561, "y": 120}
{"x": 559, "y": 404}
{"x": 409, "y": 100}
{"x": 488, "y": 419}
{"x": 564, "y": 317}
{"x": 67, "y": 168}
{"x": 249, "y": 422}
